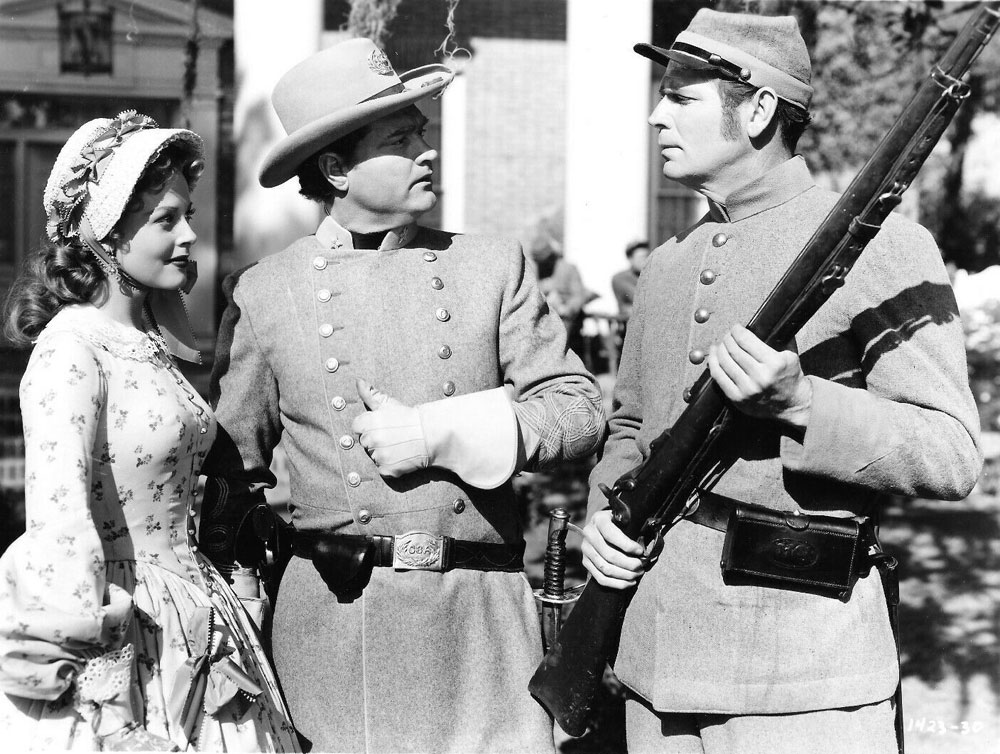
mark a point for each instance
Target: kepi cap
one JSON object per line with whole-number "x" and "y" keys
{"x": 759, "y": 50}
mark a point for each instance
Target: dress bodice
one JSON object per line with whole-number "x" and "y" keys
{"x": 148, "y": 428}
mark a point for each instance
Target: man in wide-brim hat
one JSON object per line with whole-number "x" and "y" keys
{"x": 872, "y": 399}
{"x": 409, "y": 373}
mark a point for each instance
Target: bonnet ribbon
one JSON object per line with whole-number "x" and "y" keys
{"x": 171, "y": 318}
{"x": 209, "y": 678}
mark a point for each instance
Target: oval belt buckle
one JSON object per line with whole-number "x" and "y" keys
{"x": 419, "y": 551}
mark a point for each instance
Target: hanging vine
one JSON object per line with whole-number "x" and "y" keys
{"x": 191, "y": 49}
{"x": 371, "y": 19}
{"x": 449, "y": 24}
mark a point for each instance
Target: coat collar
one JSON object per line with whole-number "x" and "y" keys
{"x": 332, "y": 235}
{"x": 777, "y": 186}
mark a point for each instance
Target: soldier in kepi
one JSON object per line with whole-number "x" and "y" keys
{"x": 872, "y": 400}
{"x": 409, "y": 374}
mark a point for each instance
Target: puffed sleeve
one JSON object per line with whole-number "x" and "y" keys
{"x": 913, "y": 429}
{"x": 554, "y": 395}
{"x": 244, "y": 393}
{"x": 57, "y": 610}
{"x": 621, "y": 451}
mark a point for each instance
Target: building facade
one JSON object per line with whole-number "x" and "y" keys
{"x": 63, "y": 63}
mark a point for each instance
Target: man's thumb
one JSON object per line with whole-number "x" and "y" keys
{"x": 372, "y": 397}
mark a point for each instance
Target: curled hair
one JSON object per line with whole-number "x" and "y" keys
{"x": 58, "y": 274}
{"x": 53, "y": 276}
{"x": 790, "y": 120}
{"x": 312, "y": 183}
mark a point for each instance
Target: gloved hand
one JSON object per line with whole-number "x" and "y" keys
{"x": 391, "y": 433}
{"x": 473, "y": 435}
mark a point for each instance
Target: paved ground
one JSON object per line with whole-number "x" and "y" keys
{"x": 949, "y": 557}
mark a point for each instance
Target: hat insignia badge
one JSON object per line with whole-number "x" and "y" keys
{"x": 379, "y": 63}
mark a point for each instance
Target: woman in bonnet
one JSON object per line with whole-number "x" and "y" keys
{"x": 115, "y": 632}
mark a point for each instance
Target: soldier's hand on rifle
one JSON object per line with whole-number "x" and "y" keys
{"x": 613, "y": 559}
{"x": 759, "y": 380}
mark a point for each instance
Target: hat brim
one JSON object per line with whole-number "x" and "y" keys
{"x": 284, "y": 159}
{"x": 663, "y": 57}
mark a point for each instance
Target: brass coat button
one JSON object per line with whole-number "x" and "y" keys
{"x": 719, "y": 239}
{"x": 320, "y": 263}
{"x": 448, "y": 388}
{"x": 707, "y": 277}
{"x": 346, "y": 442}
{"x": 430, "y": 256}
{"x": 364, "y": 516}
{"x": 324, "y": 295}
{"x": 338, "y": 403}
{"x": 437, "y": 283}
{"x": 444, "y": 352}
{"x": 701, "y": 316}
{"x": 458, "y": 506}
{"x": 332, "y": 364}
{"x": 686, "y": 395}
{"x": 697, "y": 356}
{"x": 354, "y": 479}
{"x": 326, "y": 329}
{"x": 442, "y": 314}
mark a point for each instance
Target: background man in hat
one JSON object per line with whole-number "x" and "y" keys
{"x": 873, "y": 400}
{"x": 409, "y": 373}
{"x": 623, "y": 284}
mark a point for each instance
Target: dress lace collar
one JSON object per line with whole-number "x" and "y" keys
{"x": 94, "y": 326}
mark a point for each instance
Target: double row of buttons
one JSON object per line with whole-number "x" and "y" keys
{"x": 333, "y": 364}
{"x": 442, "y": 315}
{"x": 702, "y": 315}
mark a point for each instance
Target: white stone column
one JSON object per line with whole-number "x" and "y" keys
{"x": 454, "y": 128}
{"x": 607, "y": 152}
{"x": 269, "y": 38}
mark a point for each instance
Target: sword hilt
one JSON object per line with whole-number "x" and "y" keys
{"x": 554, "y": 591}
{"x": 554, "y": 583}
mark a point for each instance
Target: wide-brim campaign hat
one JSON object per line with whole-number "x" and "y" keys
{"x": 336, "y": 91}
{"x": 758, "y": 50}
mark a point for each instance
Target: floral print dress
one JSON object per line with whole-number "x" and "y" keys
{"x": 109, "y": 565}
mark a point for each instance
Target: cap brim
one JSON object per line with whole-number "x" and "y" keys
{"x": 663, "y": 57}
{"x": 284, "y": 159}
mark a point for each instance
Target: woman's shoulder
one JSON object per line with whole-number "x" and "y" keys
{"x": 85, "y": 328}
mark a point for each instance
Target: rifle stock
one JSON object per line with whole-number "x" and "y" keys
{"x": 649, "y": 499}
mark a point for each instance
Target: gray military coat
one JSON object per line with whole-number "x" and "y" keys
{"x": 892, "y": 413}
{"x": 423, "y": 661}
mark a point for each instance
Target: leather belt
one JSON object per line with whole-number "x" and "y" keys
{"x": 712, "y": 511}
{"x": 418, "y": 551}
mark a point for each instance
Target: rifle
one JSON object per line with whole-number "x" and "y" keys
{"x": 651, "y": 498}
